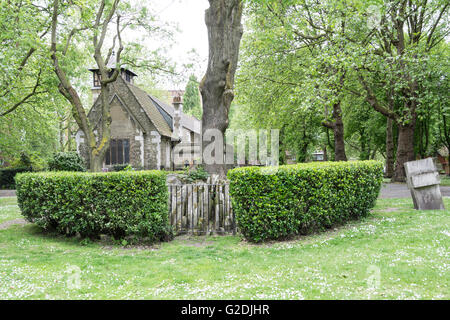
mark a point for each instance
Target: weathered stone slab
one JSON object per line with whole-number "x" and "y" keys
{"x": 423, "y": 181}
{"x": 418, "y": 167}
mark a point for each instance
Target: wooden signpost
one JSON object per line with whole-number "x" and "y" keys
{"x": 423, "y": 182}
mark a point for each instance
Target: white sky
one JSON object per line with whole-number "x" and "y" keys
{"x": 189, "y": 15}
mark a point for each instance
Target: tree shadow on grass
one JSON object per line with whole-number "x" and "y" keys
{"x": 103, "y": 242}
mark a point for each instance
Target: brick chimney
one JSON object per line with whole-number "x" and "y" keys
{"x": 178, "y": 107}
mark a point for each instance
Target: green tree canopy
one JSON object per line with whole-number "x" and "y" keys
{"x": 191, "y": 98}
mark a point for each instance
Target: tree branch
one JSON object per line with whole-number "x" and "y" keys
{"x": 436, "y": 23}
{"x": 32, "y": 93}
{"x": 119, "y": 52}
{"x": 373, "y": 101}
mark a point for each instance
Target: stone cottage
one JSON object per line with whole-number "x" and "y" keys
{"x": 144, "y": 130}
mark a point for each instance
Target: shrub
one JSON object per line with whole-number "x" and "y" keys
{"x": 23, "y": 161}
{"x": 122, "y": 167}
{"x": 66, "y": 161}
{"x": 7, "y": 176}
{"x": 198, "y": 174}
{"x": 120, "y": 204}
{"x": 191, "y": 175}
{"x": 278, "y": 202}
{"x": 38, "y": 163}
{"x": 32, "y": 160}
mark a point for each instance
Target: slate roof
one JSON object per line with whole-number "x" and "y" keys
{"x": 159, "y": 113}
{"x": 187, "y": 121}
{"x": 165, "y": 115}
{"x": 151, "y": 110}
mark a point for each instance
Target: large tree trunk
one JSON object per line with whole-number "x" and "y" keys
{"x": 303, "y": 152}
{"x": 223, "y": 20}
{"x": 444, "y": 135}
{"x": 338, "y": 132}
{"x": 405, "y": 150}
{"x": 96, "y": 163}
{"x": 325, "y": 155}
{"x": 69, "y": 138}
{"x": 303, "y": 147}
{"x": 389, "y": 149}
{"x": 339, "y": 145}
{"x": 448, "y": 160}
{"x": 61, "y": 136}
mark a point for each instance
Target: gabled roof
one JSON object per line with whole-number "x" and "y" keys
{"x": 165, "y": 115}
{"x": 150, "y": 109}
{"x": 160, "y": 114}
{"x": 189, "y": 122}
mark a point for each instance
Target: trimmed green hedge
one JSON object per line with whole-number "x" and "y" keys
{"x": 120, "y": 204}
{"x": 7, "y": 176}
{"x": 279, "y": 202}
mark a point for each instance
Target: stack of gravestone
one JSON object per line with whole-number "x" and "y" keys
{"x": 423, "y": 182}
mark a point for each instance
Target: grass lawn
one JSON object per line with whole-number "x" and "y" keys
{"x": 9, "y": 209}
{"x": 445, "y": 180}
{"x": 396, "y": 253}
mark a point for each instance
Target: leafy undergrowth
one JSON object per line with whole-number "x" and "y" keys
{"x": 396, "y": 253}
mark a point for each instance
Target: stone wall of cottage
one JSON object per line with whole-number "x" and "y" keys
{"x": 166, "y": 154}
{"x": 123, "y": 126}
{"x": 129, "y": 121}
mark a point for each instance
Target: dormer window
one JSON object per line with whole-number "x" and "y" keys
{"x": 97, "y": 79}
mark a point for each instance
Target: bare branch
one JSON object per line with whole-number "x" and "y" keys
{"x": 373, "y": 101}
{"x": 69, "y": 38}
{"x": 32, "y": 93}
{"x": 119, "y": 52}
{"x": 436, "y": 23}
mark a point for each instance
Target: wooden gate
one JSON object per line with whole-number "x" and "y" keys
{"x": 201, "y": 209}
